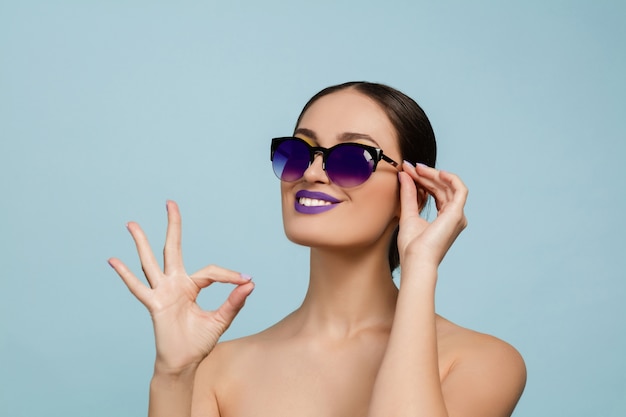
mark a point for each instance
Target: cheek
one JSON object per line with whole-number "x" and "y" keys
{"x": 285, "y": 198}
{"x": 284, "y": 202}
{"x": 379, "y": 208}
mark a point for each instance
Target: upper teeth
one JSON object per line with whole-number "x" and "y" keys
{"x": 309, "y": 202}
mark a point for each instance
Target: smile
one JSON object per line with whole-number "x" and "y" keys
{"x": 313, "y": 202}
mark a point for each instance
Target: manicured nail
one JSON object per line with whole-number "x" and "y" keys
{"x": 167, "y": 205}
{"x": 246, "y": 277}
{"x": 408, "y": 163}
{"x": 421, "y": 165}
{"x": 110, "y": 264}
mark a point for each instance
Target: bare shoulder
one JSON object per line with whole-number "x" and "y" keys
{"x": 219, "y": 363}
{"x": 462, "y": 344}
{"x": 218, "y": 372}
{"x": 479, "y": 372}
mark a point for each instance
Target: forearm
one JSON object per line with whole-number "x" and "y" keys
{"x": 171, "y": 394}
{"x": 408, "y": 382}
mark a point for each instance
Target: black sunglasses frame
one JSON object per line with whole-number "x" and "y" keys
{"x": 376, "y": 153}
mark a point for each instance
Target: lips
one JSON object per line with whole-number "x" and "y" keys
{"x": 314, "y": 202}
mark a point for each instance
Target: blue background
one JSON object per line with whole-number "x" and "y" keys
{"x": 107, "y": 109}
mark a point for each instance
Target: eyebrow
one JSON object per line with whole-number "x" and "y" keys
{"x": 344, "y": 137}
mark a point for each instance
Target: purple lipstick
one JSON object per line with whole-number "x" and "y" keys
{"x": 314, "y": 202}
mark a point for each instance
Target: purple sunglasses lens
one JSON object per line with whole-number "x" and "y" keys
{"x": 291, "y": 159}
{"x": 348, "y": 165}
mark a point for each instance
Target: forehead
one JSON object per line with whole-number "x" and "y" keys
{"x": 348, "y": 111}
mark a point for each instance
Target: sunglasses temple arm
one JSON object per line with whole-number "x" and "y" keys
{"x": 389, "y": 160}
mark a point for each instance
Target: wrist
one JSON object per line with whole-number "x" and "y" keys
{"x": 419, "y": 263}
{"x": 181, "y": 382}
{"x": 419, "y": 273}
{"x": 420, "y": 255}
{"x": 162, "y": 371}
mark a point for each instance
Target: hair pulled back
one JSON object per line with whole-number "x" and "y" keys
{"x": 414, "y": 132}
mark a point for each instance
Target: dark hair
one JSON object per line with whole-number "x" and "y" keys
{"x": 415, "y": 134}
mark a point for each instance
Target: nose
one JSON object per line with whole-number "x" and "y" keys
{"x": 315, "y": 172}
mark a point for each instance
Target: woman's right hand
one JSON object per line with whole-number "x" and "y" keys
{"x": 185, "y": 334}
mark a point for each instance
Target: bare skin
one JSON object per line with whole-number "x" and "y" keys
{"x": 358, "y": 345}
{"x": 281, "y": 372}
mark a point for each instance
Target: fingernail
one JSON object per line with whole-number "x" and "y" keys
{"x": 109, "y": 262}
{"x": 405, "y": 162}
{"x": 246, "y": 277}
{"x": 421, "y": 165}
{"x": 167, "y": 208}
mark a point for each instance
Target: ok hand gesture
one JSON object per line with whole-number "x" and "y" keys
{"x": 184, "y": 333}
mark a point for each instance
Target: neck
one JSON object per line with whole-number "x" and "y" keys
{"x": 348, "y": 292}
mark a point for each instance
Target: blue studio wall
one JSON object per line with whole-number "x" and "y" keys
{"x": 107, "y": 109}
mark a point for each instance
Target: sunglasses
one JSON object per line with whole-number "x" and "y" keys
{"x": 346, "y": 164}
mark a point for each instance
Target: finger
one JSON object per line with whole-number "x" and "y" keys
{"x": 172, "y": 252}
{"x": 452, "y": 207}
{"x": 422, "y": 194}
{"x": 428, "y": 178}
{"x": 213, "y": 273}
{"x": 456, "y": 185}
{"x": 456, "y": 192}
{"x": 408, "y": 195}
{"x": 149, "y": 264}
{"x": 459, "y": 198}
{"x": 449, "y": 191}
{"x": 136, "y": 287}
{"x": 226, "y": 313}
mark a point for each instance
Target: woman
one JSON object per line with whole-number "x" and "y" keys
{"x": 358, "y": 345}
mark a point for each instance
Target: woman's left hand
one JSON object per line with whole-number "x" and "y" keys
{"x": 418, "y": 239}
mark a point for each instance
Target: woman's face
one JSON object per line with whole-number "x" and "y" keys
{"x": 359, "y": 216}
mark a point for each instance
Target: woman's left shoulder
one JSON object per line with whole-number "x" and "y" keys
{"x": 489, "y": 364}
{"x": 463, "y": 342}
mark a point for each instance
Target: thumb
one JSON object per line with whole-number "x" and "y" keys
{"x": 226, "y": 313}
{"x": 408, "y": 196}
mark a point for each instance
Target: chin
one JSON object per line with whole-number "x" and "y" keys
{"x": 311, "y": 236}
{"x": 331, "y": 235}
